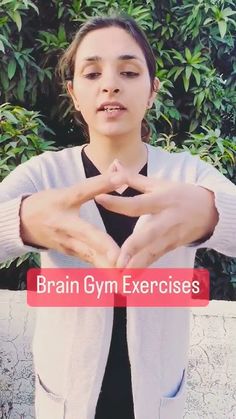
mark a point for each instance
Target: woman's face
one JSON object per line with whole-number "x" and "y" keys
{"x": 111, "y": 85}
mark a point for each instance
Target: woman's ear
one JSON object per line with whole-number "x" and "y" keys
{"x": 156, "y": 85}
{"x": 155, "y": 90}
{"x": 69, "y": 87}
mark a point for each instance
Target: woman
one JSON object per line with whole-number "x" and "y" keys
{"x": 85, "y": 368}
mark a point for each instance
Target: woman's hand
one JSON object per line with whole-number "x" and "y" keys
{"x": 177, "y": 214}
{"x": 50, "y": 219}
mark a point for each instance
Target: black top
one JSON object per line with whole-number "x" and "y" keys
{"x": 115, "y": 400}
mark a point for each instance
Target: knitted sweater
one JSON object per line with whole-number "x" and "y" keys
{"x": 71, "y": 345}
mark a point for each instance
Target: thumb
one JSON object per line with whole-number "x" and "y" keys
{"x": 86, "y": 190}
{"x": 113, "y": 167}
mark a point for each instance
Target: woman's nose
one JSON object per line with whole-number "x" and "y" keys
{"x": 110, "y": 83}
{"x": 111, "y": 89}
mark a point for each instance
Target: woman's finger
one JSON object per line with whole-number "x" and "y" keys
{"x": 74, "y": 247}
{"x": 142, "y": 183}
{"x": 78, "y": 194}
{"x": 142, "y": 236}
{"x": 135, "y": 180}
{"x": 149, "y": 203}
{"x": 147, "y": 256}
{"x": 150, "y": 240}
{"x": 97, "y": 240}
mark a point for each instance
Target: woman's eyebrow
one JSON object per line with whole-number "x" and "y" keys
{"x": 124, "y": 57}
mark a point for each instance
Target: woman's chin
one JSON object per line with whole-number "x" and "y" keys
{"x": 113, "y": 131}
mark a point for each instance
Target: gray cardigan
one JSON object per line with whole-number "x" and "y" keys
{"x": 71, "y": 345}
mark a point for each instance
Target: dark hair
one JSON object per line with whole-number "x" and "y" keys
{"x": 67, "y": 61}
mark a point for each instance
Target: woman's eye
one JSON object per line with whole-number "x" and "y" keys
{"x": 130, "y": 73}
{"x": 94, "y": 75}
{"x": 91, "y": 75}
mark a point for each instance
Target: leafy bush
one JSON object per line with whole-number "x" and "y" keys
{"x": 21, "y": 137}
{"x": 19, "y": 73}
{"x": 208, "y": 145}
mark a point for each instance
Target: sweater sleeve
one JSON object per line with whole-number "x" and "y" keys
{"x": 21, "y": 182}
{"x": 223, "y": 239}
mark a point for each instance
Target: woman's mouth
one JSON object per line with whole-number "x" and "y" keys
{"x": 112, "y": 111}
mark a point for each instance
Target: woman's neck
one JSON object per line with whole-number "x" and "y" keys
{"x": 131, "y": 154}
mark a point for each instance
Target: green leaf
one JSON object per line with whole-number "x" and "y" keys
{"x": 222, "y": 28}
{"x": 5, "y": 2}
{"x": 61, "y": 34}
{"x": 178, "y": 56}
{"x": 217, "y": 132}
{"x": 178, "y": 72}
{"x": 3, "y": 138}
{"x": 21, "y": 89}
{"x": 11, "y": 68}
{"x": 188, "y": 72}
{"x": 193, "y": 125}
{"x": 208, "y": 20}
{"x": 4, "y": 80}
{"x": 195, "y": 32}
{"x": 217, "y": 103}
{"x": 41, "y": 76}
{"x": 186, "y": 83}
{"x": 228, "y": 12}
{"x": 2, "y": 47}
{"x": 34, "y": 94}
{"x": 23, "y": 138}
{"x": 188, "y": 54}
{"x": 48, "y": 73}
{"x": 13, "y": 144}
{"x": 160, "y": 62}
{"x": 220, "y": 145}
{"x": 200, "y": 98}
{"x": 19, "y": 262}
{"x": 231, "y": 155}
{"x": 9, "y": 115}
{"x": 34, "y": 6}
{"x": 60, "y": 12}
{"x": 174, "y": 113}
{"x": 173, "y": 71}
{"x": 23, "y": 158}
{"x": 197, "y": 58}
{"x": 17, "y": 19}
{"x": 197, "y": 76}
{"x": 190, "y": 18}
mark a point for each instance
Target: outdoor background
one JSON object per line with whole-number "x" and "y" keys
{"x": 194, "y": 44}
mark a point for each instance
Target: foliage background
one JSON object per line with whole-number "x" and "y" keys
{"x": 194, "y": 44}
